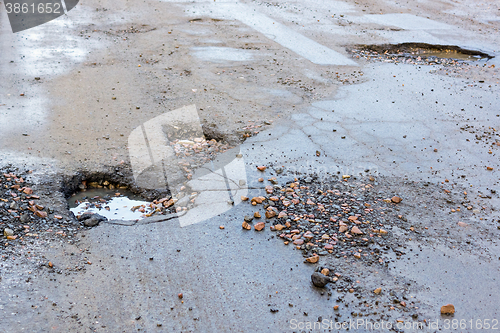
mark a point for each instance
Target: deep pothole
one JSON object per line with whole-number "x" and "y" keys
{"x": 113, "y": 195}
{"x": 418, "y": 54}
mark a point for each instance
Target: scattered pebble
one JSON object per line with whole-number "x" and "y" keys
{"x": 259, "y": 226}
{"x": 320, "y": 280}
{"x": 448, "y": 309}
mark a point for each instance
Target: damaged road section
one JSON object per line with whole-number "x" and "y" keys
{"x": 26, "y": 214}
{"x": 367, "y": 239}
{"x": 418, "y": 54}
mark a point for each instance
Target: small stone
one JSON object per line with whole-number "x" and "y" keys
{"x": 261, "y": 168}
{"x": 313, "y": 259}
{"x": 328, "y": 247}
{"x": 257, "y": 200}
{"x": 269, "y": 189}
{"x": 221, "y": 227}
{"x": 180, "y": 295}
{"x": 41, "y": 214}
{"x": 261, "y": 179}
{"x": 298, "y": 242}
{"x": 346, "y": 176}
{"x": 259, "y": 226}
{"x": 8, "y": 232}
{"x": 279, "y": 227}
{"x": 248, "y": 218}
{"x": 320, "y": 280}
{"x": 273, "y": 180}
{"x": 94, "y": 220}
{"x": 343, "y": 228}
{"x": 25, "y": 218}
{"x": 257, "y": 215}
{"x": 270, "y": 213}
{"x": 308, "y": 235}
{"x": 246, "y": 226}
{"x": 357, "y": 255}
{"x": 448, "y": 309}
{"x": 336, "y": 307}
{"x": 243, "y": 198}
{"x": 396, "y": 199}
{"x": 378, "y": 291}
{"x": 355, "y": 230}
{"x": 325, "y": 271}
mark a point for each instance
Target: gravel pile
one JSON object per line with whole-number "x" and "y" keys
{"x": 195, "y": 152}
{"x": 403, "y": 57}
{"x": 23, "y": 214}
{"x": 338, "y": 218}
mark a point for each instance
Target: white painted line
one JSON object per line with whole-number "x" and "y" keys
{"x": 281, "y": 34}
{"x": 219, "y": 183}
{"x": 64, "y": 7}
{"x": 407, "y": 22}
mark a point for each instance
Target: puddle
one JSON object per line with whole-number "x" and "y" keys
{"x": 221, "y": 54}
{"x": 112, "y": 204}
{"x": 418, "y": 53}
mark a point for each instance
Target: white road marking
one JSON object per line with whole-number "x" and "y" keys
{"x": 272, "y": 29}
{"x": 408, "y": 22}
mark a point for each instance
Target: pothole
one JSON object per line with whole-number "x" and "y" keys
{"x": 418, "y": 54}
{"x": 121, "y": 205}
{"x": 114, "y": 196}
